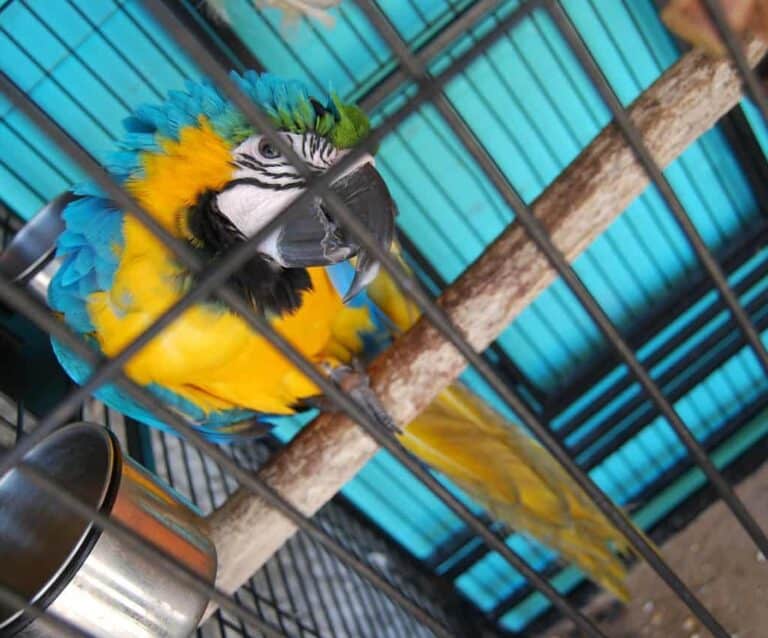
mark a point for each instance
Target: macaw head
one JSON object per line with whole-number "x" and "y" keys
{"x": 260, "y": 183}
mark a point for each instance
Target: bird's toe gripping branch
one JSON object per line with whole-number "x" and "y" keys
{"x": 354, "y": 381}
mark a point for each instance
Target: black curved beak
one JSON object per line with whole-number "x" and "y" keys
{"x": 313, "y": 238}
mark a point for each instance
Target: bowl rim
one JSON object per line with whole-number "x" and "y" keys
{"x": 34, "y": 245}
{"x": 83, "y": 547}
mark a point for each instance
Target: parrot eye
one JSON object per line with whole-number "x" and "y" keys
{"x": 267, "y": 150}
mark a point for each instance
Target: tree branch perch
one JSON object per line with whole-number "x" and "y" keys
{"x": 595, "y": 189}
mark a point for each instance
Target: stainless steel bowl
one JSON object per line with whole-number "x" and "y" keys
{"x": 30, "y": 258}
{"x": 89, "y": 577}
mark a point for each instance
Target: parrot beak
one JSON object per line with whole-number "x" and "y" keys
{"x": 313, "y": 238}
{"x": 366, "y": 194}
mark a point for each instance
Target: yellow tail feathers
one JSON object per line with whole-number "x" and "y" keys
{"x": 504, "y": 469}
{"x": 517, "y": 480}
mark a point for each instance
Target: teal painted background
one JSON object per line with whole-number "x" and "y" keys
{"x": 90, "y": 62}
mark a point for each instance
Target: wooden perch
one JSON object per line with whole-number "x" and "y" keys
{"x": 597, "y": 187}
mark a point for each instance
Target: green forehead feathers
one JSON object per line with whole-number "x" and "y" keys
{"x": 293, "y": 109}
{"x": 288, "y": 103}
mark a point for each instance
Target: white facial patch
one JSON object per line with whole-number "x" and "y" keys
{"x": 265, "y": 182}
{"x": 250, "y": 207}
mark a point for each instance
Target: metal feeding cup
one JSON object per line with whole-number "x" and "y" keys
{"x": 95, "y": 579}
{"x": 30, "y": 258}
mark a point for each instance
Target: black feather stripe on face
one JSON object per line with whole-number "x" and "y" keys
{"x": 270, "y": 288}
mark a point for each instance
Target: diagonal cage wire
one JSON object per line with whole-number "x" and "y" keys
{"x": 755, "y": 89}
{"x": 301, "y": 565}
{"x": 558, "y": 261}
{"x": 215, "y": 278}
{"x": 17, "y": 299}
{"x": 63, "y": 410}
{"x": 173, "y": 465}
{"x": 707, "y": 260}
{"x": 259, "y": 324}
{"x": 377, "y": 18}
{"x": 223, "y": 276}
{"x": 647, "y": 412}
{"x": 238, "y": 256}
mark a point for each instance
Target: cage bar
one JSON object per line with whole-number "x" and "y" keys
{"x": 710, "y": 265}
{"x": 168, "y": 20}
{"x": 432, "y": 360}
{"x": 259, "y": 324}
{"x": 695, "y": 75}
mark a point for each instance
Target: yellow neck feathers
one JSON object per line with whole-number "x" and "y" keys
{"x": 175, "y": 178}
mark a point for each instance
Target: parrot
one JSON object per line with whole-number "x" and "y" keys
{"x": 293, "y": 9}
{"x": 198, "y": 167}
{"x": 690, "y": 20}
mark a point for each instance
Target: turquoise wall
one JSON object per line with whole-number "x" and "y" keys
{"x": 88, "y": 63}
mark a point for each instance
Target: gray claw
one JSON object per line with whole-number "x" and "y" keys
{"x": 357, "y": 384}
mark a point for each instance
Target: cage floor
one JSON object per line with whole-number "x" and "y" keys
{"x": 717, "y": 559}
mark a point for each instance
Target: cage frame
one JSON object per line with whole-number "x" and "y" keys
{"x": 430, "y": 91}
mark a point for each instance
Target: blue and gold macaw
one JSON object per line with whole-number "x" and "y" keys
{"x": 198, "y": 167}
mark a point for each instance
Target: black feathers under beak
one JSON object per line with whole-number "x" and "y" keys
{"x": 313, "y": 238}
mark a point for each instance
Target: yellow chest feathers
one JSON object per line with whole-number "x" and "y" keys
{"x": 209, "y": 355}
{"x": 212, "y": 357}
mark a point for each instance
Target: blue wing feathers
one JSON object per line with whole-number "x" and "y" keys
{"x": 219, "y": 427}
{"x": 87, "y": 245}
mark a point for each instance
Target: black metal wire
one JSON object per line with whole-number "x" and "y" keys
{"x": 733, "y": 260}
{"x": 383, "y": 259}
{"x": 19, "y": 300}
{"x": 358, "y": 231}
{"x": 223, "y": 44}
{"x": 536, "y": 231}
{"x": 681, "y": 377}
{"x": 219, "y": 74}
{"x": 457, "y": 27}
{"x": 270, "y": 609}
{"x": 12, "y": 457}
{"x": 212, "y": 280}
{"x": 331, "y": 390}
{"x": 710, "y": 264}
{"x": 407, "y": 284}
{"x": 675, "y": 306}
{"x": 104, "y": 522}
{"x": 206, "y": 284}
{"x": 664, "y": 480}
{"x": 345, "y": 524}
{"x": 302, "y": 586}
{"x": 736, "y": 52}
{"x": 517, "y": 561}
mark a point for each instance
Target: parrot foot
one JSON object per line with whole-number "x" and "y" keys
{"x": 354, "y": 381}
